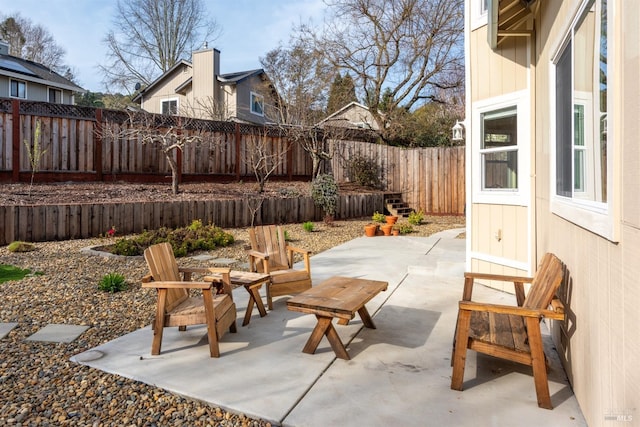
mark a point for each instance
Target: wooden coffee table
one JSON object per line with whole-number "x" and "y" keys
{"x": 339, "y": 297}
{"x": 252, "y": 282}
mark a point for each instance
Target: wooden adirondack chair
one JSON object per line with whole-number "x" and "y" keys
{"x": 176, "y": 307}
{"x": 510, "y": 332}
{"x": 271, "y": 255}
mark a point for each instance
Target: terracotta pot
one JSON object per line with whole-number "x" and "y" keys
{"x": 386, "y": 229}
{"x": 395, "y": 232}
{"x": 370, "y": 230}
{"x": 391, "y": 219}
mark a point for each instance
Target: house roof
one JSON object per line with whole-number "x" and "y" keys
{"x": 13, "y": 66}
{"x": 156, "y": 82}
{"x": 509, "y": 18}
{"x": 238, "y": 76}
{"x": 336, "y": 120}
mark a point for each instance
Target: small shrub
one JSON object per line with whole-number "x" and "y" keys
{"x": 378, "y": 217}
{"x": 415, "y": 218}
{"x": 112, "y": 282}
{"x": 324, "y": 192}
{"x": 287, "y": 237}
{"x": 405, "y": 229}
{"x": 19, "y": 246}
{"x": 194, "y": 237}
{"x": 308, "y": 226}
{"x": 364, "y": 171}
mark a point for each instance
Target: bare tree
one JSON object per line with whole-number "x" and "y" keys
{"x": 150, "y": 37}
{"x": 32, "y": 42}
{"x": 167, "y": 133}
{"x": 263, "y": 157}
{"x": 301, "y": 76}
{"x": 412, "y": 49}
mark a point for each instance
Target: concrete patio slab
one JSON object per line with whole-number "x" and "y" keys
{"x": 399, "y": 373}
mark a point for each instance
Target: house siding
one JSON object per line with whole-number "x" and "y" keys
{"x": 599, "y": 342}
{"x": 243, "y": 99}
{"x": 152, "y": 101}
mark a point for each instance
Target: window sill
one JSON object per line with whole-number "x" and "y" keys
{"x": 592, "y": 216}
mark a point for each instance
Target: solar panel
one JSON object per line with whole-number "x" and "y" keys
{"x": 8, "y": 64}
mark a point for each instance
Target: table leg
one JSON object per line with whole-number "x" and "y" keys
{"x": 324, "y": 327}
{"x": 366, "y": 318}
{"x": 254, "y": 298}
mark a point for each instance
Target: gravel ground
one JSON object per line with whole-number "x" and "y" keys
{"x": 39, "y": 386}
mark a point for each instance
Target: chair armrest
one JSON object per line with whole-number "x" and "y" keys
{"x": 518, "y": 283}
{"x": 508, "y": 309}
{"x": 298, "y": 250}
{"x": 500, "y": 277}
{"x": 257, "y": 254}
{"x": 305, "y": 256}
{"x": 177, "y": 285}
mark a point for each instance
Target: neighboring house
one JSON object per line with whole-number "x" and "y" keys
{"x": 28, "y": 80}
{"x": 197, "y": 89}
{"x": 352, "y": 115}
{"x": 553, "y": 118}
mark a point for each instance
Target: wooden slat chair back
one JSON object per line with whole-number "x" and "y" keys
{"x": 510, "y": 332}
{"x": 176, "y": 307}
{"x": 270, "y": 254}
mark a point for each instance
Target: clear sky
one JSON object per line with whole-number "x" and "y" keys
{"x": 250, "y": 29}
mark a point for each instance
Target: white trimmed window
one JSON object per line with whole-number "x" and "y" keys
{"x": 55, "y": 95}
{"x": 18, "y": 89}
{"x": 257, "y": 104}
{"x": 501, "y": 138}
{"x": 499, "y": 149}
{"x": 169, "y": 107}
{"x": 581, "y": 74}
{"x": 479, "y": 13}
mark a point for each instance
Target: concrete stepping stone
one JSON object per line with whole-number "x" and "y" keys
{"x": 5, "y": 328}
{"x": 58, "y": 333}
{"x": 202, "y": 257}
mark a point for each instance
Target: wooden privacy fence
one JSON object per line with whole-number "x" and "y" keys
{"x": 77, "y": 146}
{"x": 430, "y": 179}
{"x": 36, "y": 223}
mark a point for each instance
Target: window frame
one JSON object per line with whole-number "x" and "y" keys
{"x": 168, "y": 100}
{"x": 260, "y": 102}
{"x": 24, "y": 83}
{"x": 59, "y": 91}
{"x": 479, "y": 13}
{"x": 597, "y": 217}
{"x": 521, "y": 196}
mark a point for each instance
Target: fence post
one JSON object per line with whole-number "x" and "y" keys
{"x": 15, "y": 143}
{"x": 238, "y": 159}
{"x": 97, "y": 154}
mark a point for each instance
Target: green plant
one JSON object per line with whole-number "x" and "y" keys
{"x": 10, "y": 272}
{"x": 405, "y": 229}
{"x": 184, "y": 240}
{"x": 19, "y": 246}
{"x": 287, "y": 237}
{"x": 415, "y": 218}
{"x": 308, "y": 226}
{"x": 112, "y": 282}
{"x": 324, "y": 192}
{"x": 378, "y": 217}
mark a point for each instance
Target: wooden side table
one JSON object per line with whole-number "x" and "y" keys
{"x": 252, "y": 282}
